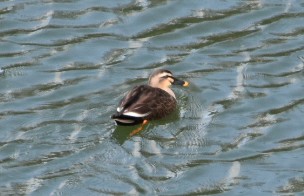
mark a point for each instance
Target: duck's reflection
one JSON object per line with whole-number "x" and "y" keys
{"x": 123, "y": 133}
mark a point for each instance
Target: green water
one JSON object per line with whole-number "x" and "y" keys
{"x": 66, "y": 64}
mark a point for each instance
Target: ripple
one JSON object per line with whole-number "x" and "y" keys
{"x": 76, "y": 66}
{"x": 42, "y": 160}
{"x": 265, "y": 121}
{"x": 279, "y": 17}
{"x": 286, "y": 108}
{"x": 59, "y": 104}
{"x": 13, "y": 113}
{"x": 60, "y": 173}
{"x": 179, "y": 23}
{"x": 38, "y": 89}
{"x": 285, "y": 148}
{"x": 268, "y": 86}
{"x": 295, "y": 185}
{"x": 292, "y": 140}
{"x": 282, "y": 53}
{"x": 294, "y": 33}
{"x": 240, "y": 141}
{"x": 46, "y": 123}
{"x": 23, "y": 188}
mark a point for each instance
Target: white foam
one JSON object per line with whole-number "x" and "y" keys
{"x": 60, "y": 186}
{"x": 288, "y": 6}
{"x": 136, "y": 149}
{"x": 232, "y": 175}
{"x": 32, "y": 185}
{"x": 78, "y": 127}
{"x": 240, "y": 78}
{"x": 155, "y": 149}
{"x": 57, "y": 78}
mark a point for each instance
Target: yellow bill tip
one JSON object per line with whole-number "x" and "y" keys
{"x": 186, "y": 83}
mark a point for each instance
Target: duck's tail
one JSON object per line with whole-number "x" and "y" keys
{"x": 125, "y": 120}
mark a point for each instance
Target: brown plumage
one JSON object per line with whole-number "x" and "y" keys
{"x": 149, "y": 102}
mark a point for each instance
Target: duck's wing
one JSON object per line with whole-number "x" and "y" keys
{"x": 135, "y": 100}
{"x": 132, "y": 109}
{"x": 158, "y": 102}
{"x": 144, "y": 102}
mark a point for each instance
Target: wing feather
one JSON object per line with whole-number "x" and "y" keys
{"x": 146, "y": 102}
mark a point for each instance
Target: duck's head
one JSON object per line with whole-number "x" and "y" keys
{"x": 163, "y": 79}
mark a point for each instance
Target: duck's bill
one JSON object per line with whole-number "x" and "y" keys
{"x": 180, "y": 82}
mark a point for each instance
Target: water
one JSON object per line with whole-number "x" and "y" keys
{"x": 238, "y": 129}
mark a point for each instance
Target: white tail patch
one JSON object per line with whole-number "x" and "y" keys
{"x": 135, "y": 114}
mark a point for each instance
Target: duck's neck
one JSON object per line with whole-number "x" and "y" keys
{"x": 168, "y": 90}
{"x": 163, "y": 87}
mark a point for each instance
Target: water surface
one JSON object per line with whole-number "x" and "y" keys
{"x": 65, "y": 65}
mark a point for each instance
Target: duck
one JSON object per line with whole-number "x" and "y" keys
{"x": 151, "y": 101}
